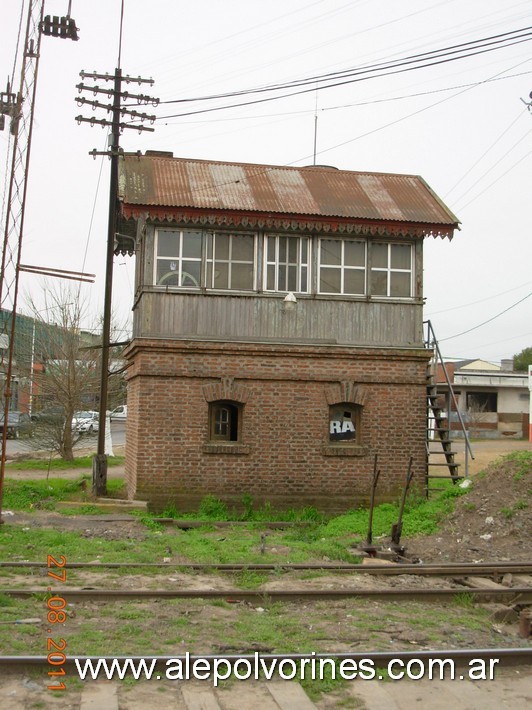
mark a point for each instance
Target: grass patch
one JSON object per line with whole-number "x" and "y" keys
{"x": 212, "y": 509}
{"x": 58, "y": 464}
{"x": 523, "y": 461}
{"x": 44, "y": 494}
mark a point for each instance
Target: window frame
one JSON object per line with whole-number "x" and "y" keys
{"x": 204, "y": 260}
{"x": 234, "y": 428}
{"x": 179, "y": 259}
{"x": 342, "y": 267}
{"x": 389, "y": 270}
{"x": 356, "y": 419}
{"x": 300, "y": 264}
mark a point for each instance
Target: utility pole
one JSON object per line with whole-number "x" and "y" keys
{"x": 20, "y": 109}
{"x": 117, "y": 110}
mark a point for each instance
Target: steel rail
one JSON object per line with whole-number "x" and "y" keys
{"x": 512, "y": 596}
{"x": 507, "y": 657}
{"x": 459, "y": 568}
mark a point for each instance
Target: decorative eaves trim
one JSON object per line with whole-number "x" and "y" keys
{"x": 285, "y": 224}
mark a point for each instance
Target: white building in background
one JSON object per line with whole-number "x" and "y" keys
{"x": 494, "y": 399}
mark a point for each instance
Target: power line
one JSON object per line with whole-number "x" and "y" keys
{"x": 366, "y": 103}
{"x": 482, "y": 300}
{"x": 475, "y": 327}
{"x": 354, "y": 74}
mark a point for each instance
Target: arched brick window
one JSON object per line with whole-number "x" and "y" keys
{"x": 225, "y": 421}
{"x": 344, "y": 422}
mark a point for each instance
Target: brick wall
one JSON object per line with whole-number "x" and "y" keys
{"x": 285, "y": 456}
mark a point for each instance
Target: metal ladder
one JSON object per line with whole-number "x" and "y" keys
{"x": 439, "y": 422}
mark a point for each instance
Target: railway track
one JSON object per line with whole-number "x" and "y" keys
{"x": 508, "y": 595}
{"x": 484, "y": 569}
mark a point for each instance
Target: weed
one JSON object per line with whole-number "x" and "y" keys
{"x": 523, "y": 460}
{"x": 213, "y": 508}
{"x": 45, "y": 494}
{"x": 469, "y": 506}
{"x": 465, "y": 599}
{"x": 510, "y": 512}
{"x": 249, "y": 579}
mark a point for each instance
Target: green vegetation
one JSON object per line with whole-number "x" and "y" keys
{"x": 46, "y": 493}
{"x": 310, "y": 537}
{"x": 57, "y": 464}
{"x": 522, "y": 360}
{"x": 523, "y": 460}
{"x": 212, "y": 509}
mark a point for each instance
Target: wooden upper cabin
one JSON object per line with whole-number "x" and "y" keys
{"x": 220, "y": 245}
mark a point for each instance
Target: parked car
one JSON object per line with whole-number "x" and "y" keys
{"x": 18, "y": 424}
{"x": 49, "y": 414}
{"x": 119, "y": 413}
{"x": 85, "y": 422}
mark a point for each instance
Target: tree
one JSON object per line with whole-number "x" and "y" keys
{"x": 522, "y": 360}
{"x": 68, "y": 381}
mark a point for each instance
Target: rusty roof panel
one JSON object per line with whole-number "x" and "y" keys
{"x": 162, "y": 181}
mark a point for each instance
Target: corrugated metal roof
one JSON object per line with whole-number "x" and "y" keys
{"x": 164, "y": 181}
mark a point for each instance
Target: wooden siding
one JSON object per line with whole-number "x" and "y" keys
{"x": 317, "y": 320}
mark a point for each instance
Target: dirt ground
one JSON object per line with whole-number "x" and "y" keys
{"x": 493, "y": 522}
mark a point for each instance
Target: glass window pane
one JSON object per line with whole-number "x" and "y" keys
{"x": 221, "y": 246}
{"x": 210, "y": 239}
{"x": 354, "y": 281}
{"x": 270, "y": 278}
{"x": 331, "y": 251}
{"x": 292, "y": 250}
{"x": 190, "y": 274}
{"x": 270, "y": 248}
{"x": 379, "y": 283}
{"x": 167, "y": 273}
{"x": 168, "y": 243}
{"x": 400, "y": 284}
{"x": 242, "y": 276}
{"x": 304, "y": 286}
{"x": 292, "y": 278}
{"x": 401, "y": 256}
{"x": 329, "y": 280}
{"x": 209, "y": 274}
{"x": 242, "y": 248}
{"x": 379, "y": 255}
{"x": 354, "y": 253}
{"x": 192, "y": 245}
{"x": 281, "y": 279}
{"x": 304, "y": 250}
{"x": 282, "y": 249}
{"x": 221, "y": 275}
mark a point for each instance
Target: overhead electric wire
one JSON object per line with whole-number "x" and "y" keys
{"x": 474, "y": 303}
{"x": 401, "y": 118}
{"x": 514, "y": 165}
{"x": 360, "y": 76}
{"x": 469, "y": 47}
{"x": 485, "y": 153}
{"x": 475, "y": 327}
{"x": 369, "y": 102}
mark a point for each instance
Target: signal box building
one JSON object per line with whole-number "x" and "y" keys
{"x": 277, "y": 339}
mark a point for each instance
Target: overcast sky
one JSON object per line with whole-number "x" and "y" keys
{"x": 461, "y": 125}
